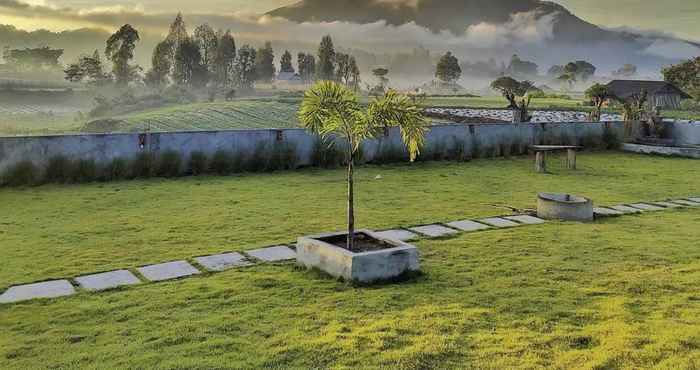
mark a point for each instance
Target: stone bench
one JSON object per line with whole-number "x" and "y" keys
{"x": 541, "y": 155}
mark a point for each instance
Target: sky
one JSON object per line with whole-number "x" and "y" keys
{"x": 677, "y": 17}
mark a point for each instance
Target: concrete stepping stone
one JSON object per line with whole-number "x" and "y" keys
{"x": 646, "y": 207}
{"x": 526, "y": 219}
{"x": 107, "y": 280}
{"x": 168, "y": 271}
{"x": 499, "y": 222}
{"x": 626, "y": 209}
{"x": 606, "y": 212}
{"x": 686, "y": 203}
{"x": 223, "y": 262}
{"x": 46, "y": 289}
{"x": 398, "y": 234}
{"x": 696, "y": 200}
{"x": 273, "y": 254}
{"x": 468, "y": 225}
{"x": 434, "y": 231}
{"x": 667, "y": 204}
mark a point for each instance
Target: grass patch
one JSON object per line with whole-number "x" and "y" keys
{"x": 615, "y": 294}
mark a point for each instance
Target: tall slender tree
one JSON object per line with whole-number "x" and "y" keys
{"x": 189, "y": 69}
{"x": 208, "y": 43}
{"x": 265, "y": 63}
{"x": 225, "y": 59}
{"x": 286, "y": 62}
{"x": 326, "y": 59}
{"x": 244, "y": 68}
{"x": 120, "y": 50}
{"x": 162, "y": 64}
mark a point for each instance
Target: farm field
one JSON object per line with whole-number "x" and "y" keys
{"x": 240, "y": 114}
{"x": 57, "y": 231}
{"x": 618, "y": 292}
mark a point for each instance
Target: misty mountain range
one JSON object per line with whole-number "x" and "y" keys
{"x": 474, "y": 30}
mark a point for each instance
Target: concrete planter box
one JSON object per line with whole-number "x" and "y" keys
{"x": 365, "y": 267}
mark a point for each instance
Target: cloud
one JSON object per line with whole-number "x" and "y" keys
{"x": 672, "y": 49}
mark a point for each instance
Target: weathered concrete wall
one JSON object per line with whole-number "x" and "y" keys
{"x": 684, "y": 132}
{"x": 490, "y": 139}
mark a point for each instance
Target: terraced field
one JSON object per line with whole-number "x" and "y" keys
{"x": 242, "y": 114}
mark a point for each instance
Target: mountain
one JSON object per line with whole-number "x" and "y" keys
{"x": 571, "y": 37}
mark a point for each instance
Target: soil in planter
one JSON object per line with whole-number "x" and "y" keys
{"x": 363, "y": 243}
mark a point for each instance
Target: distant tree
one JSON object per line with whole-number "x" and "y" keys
{"x": 120, "y": 50}
{"x": 286, "y": 62}
{"x": 244, "y": 68}
{"x": 90, "y": 68}
{"x": 519, "y": 68}
{"x": 225, "y": 59}
{"x": 343, "y": 70}
{"x": 381, "y": 73}
{"x": 627, "y": 70}
{"x": 306, "y": 64}
{"x": 448, "y": 69}
{"x": 189, "y": 69}
{"x": 161, "y": 64}
{"x": 354, "y": 74}
{"x": 584, "y": 70}
{"x": 598, "y": 94}
{"x": 265, "y": 63}
{"x": 516, "y": 92}
{"x": 685, "y": 75}
{"x": 32, "y": 59}
{"x": 178, "y": 32}
{"x": 326, "y": 59}
{"x": 208, "y": 43}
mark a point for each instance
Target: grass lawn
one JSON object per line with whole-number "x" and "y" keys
{"x": 616, "y": 294}
{"x": 58, "y": 231}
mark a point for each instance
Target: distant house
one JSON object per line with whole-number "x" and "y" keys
{"x": 289, "y": 78}
{"x": 660, "y": 93}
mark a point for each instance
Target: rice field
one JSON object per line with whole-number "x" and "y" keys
{"x": 242, "y": 114}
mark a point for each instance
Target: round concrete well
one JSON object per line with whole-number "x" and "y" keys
{"x": 564, "y": 207}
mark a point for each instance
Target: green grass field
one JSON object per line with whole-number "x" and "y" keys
{"x": 615, "y": 294}
{"x": 57, "y": 231}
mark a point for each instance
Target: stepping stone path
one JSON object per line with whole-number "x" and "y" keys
{"x": 626, "y": 209}
{"x": 107, "y": 280}
{"x": 468, "y": 225}
{"x": 527, "y": 220}
{"x": 47, "y": 289}
{"x": 686, "y": 203}
{"x": 499, "y": 222}
{"x": 646, "y": 207}
{"x": 606, "y": 212}
{"x": 168, "y": 271}
{"x": 434, "y": 231}
{"x": 223, "y": 262}
{"x": 398, "y": 234}
{"x": 273, "y": 254}
{"x": 667, "y": 204}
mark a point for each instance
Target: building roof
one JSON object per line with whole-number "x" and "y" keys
{"x": 627, "y": 88}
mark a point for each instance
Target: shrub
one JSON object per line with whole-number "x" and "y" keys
{"x": 84, "y": 170}
{"x": 283, "y": 157}
{"x": 142, "y": 165}
{"x": 221, "y": 162}
{"x": 118, "y": 169}
{"x": 260, "y": 159}
{"x": 21, "y": 173}
{"x": 59, "y": 170}
{"x": 327, "y": 154}
{"x": 610, "y": 139}
{"x": 169, "y": 164}
{"x": 198, "y": 163}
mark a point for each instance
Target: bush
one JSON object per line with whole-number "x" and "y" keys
{"x": 118, "y": 169}
{"x": 84, "y": 170}
{"x": 283, "y": 157}
{"x": 221, "y": 162}
{"x": 198, "y": 163}
{"x": 142, "y": 165}
{"x": 169, "y": 164}
{"x": 260, "y": 159}
{"x": 21, "y": 173}
{"x": 327, "y": 154}
{"x": 59, "y": 170}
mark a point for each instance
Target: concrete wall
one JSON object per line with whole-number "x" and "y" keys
{"x": 489, "y": 139}
{"x": 684, "y": 132}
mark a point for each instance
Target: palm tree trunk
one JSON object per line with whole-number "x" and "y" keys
{"x": 351, "y": 202}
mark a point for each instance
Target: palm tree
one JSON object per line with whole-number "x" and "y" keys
{"x": 331, "y": 111}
